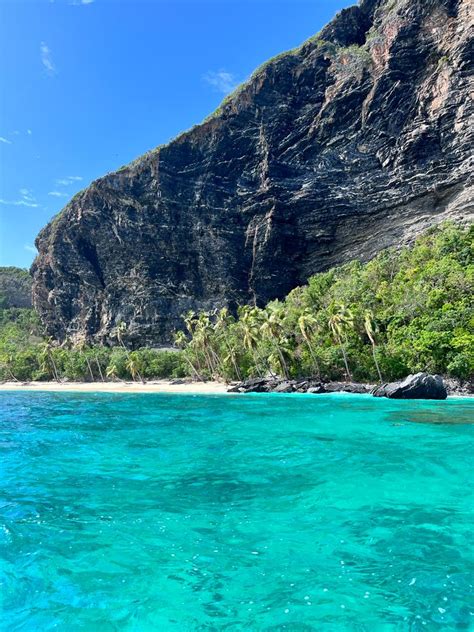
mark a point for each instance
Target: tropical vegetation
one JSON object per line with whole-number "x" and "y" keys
{"x": 407, "y": 310}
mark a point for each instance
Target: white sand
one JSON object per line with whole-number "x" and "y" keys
{"x": 156, "y": 386}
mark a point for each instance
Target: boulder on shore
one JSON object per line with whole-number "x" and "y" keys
{"x": 417, "y": 386}
{"x": 278, "y": 385}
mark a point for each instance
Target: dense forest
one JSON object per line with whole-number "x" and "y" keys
{"x": 406, "y": 310}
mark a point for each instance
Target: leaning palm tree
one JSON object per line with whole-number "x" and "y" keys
{"x": 272, "y": 328}
{"x": 47, "y": 359}
{"x": 81, "y": 347}
{"x": 249, "y": 318}
{"x": 112, "y": 372}
{"x": 340, "y": 320}
{"x": 308, "y": 326}
{"x": 221, "y": 330}
{"x": 182, "y": 342}
{"x": 370, "y": 328}
{"x": 132, "y": 367}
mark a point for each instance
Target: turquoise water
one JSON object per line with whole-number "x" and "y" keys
{"x": 261, "y": 512}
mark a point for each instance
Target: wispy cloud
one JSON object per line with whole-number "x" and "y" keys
{"x": 58, "y": 194}
{"x": 5, "y": 140}
{"x": 30, "y": 248}
{"x": 64, "y": 182}
{"x": 29, "y": 132}
{"x": 26, "y": 199}
{"x": 47, "y": 59}
{"x": 221, "y": 80}
{"x": 21, "y": 202}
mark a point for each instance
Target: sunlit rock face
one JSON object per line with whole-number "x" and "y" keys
{"x": 356, "y": 141}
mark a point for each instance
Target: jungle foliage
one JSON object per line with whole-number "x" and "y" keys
{"x": 407, "y": 310}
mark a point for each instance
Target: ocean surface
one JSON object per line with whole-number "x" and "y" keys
{"x": 248, "y": 512}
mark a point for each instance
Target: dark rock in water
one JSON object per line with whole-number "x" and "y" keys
{"x": 417, "y": 386}
{"x": 355, "y": 141}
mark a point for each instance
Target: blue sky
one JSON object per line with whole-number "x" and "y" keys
{"x": 88, "y": 85}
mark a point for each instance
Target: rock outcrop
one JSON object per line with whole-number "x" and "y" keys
{"x": 355, "y": 141}
{"x": 279, "y": 385}
{"x": 417, "y": 386}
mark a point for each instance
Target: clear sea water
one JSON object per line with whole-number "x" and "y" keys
{"x": 257, "y": 513}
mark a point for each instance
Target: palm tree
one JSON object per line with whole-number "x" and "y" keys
{"x": 272, "y": 327}
{"x": 112, "y": 372}
{"x": 81, "y": 347}
{"x": 370, "y": 327}
{"x": 221, "y": 328}
{"x": 204, "y": 331}
{"x": 99, "y": 367}
{"x": 119, "y": 332}
{"x": 340, "y": 319}
{"x": 47, "y": 358}
{"x": 182, "y": 342}
{"x": 132, "y": 367}
{"x": 249, "y": 318}
{"x": 308, "y": 325}
{"x": 7, "y": 366}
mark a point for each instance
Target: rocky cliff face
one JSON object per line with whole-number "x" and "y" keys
{"x": 353, "y": 142}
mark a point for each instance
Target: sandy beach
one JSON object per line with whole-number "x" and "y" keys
{"x": 155, "y": 386}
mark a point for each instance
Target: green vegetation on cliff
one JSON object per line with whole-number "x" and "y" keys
{"x": 404, "y": 311}
{"x": 15, "y": 287}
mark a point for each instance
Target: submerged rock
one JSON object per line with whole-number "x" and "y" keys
{"x": 417, "y": 386}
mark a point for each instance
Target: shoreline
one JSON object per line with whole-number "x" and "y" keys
{"x": 153, "y": 386}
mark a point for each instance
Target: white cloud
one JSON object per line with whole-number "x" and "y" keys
{"x": 58, "y": 194}
{"x": 26, "y": 199}
{"x": 29, "y": 132}
{"x": 64, "y": 182}
{"x": 46, "y": 59}
{"x": 22, "y": 202}
{"x": 5, "y": 140}
{"x": 30, "y": 248}
{"x": 221, "y": 81}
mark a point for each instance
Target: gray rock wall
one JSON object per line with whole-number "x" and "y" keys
{"x": 358, "y": 140}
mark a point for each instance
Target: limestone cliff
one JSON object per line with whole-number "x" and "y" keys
{"x": 355, "y": 141}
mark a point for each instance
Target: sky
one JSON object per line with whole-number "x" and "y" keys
{"x": 88, "y": 85}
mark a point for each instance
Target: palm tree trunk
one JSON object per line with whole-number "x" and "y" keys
{"x": 344, "y": 355}
{"x": 55, "y": 368}
{"x": 100, "y": 370}
{"x": 377, "y": 364}
{"x": 283, "y": 364}
{"x": 90, "y": 368}
{"x": 315, "y": 361}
